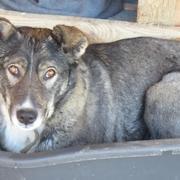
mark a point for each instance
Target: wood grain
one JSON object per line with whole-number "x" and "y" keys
{"x": 177, "y": 13}
{"x": 97, "y": 30}
{"x": 166, "y": 12}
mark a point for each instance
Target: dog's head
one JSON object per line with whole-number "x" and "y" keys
{"x": 35, "y": 70}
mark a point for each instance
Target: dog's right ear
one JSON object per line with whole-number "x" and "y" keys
{"x": 6, "y": 29}
{"x": 72, "y": 40}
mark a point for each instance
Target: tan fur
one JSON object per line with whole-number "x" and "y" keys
{"x": 37, "y": 33}
{"x": 70, "y": 35}
{"x": 71, "y": 39}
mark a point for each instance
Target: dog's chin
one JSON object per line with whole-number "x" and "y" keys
{"x": 30, "y": 127}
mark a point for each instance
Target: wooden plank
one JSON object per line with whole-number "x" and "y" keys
{"x": 166, "y": 12}
{"x": 177, "y": 13}
{"x": 97, "y": 30}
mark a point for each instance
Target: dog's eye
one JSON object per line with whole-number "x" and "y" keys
{"x": 50, "y": 73}
{"x": 14, "y": 70}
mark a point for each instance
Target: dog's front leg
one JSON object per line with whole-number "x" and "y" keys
{"x": 54, "y": 140}
{"x": 45, "y": 145}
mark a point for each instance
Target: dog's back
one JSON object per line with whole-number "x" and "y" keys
{"x": 162, "y": 108}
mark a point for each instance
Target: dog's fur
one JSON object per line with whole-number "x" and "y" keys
{"x": 162, "y": 109}
{"x": 96, "y": 96}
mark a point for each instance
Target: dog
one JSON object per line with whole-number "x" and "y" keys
{"x": 58, "y": 91}
{"x": 162, "y": 107}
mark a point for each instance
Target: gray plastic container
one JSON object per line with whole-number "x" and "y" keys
{"x": 140, "y": 160}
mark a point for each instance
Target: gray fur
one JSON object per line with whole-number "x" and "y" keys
{"x": 162, "y": 110}
{"x": 118, "y": 75}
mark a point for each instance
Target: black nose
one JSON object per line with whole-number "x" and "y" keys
{"x": 26, "y": 116}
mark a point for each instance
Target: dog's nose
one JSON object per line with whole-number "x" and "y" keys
{"x": 26, "y": 116}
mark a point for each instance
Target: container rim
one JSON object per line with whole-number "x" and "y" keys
{"x": 91, "y": 152}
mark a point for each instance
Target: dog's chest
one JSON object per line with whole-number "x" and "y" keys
{"x": 16, "y": 140}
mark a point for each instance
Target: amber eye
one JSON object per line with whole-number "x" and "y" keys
{"x": 50, "y": 73}
{"x": 14, "y": 70}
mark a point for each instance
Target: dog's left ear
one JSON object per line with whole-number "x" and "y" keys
{"x": 72, "y": 41}
{"x": 7, "y": 29}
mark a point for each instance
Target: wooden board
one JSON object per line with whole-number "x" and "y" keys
{"x": 97, "y": 30}
{"x": 177, "y": 13}
{"x": 165, "y": 12}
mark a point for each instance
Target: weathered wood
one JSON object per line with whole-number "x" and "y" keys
{"x": 97, "y": 30}
{"x": 165, "y": 12}
{"x": 177, "y": 13}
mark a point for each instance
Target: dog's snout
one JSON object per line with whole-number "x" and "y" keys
{"x": 26, "y": 116}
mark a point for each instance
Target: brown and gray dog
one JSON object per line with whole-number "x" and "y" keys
{"x": 56, "y": 91}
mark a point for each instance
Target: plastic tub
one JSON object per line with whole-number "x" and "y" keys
{"x": 140, "y": 160}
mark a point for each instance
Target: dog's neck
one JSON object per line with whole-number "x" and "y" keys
{"x": 68, "y": 111}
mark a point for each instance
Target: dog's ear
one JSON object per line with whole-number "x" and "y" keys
{"x": 6, "y": 29}
{"x": 72, "y": 41}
